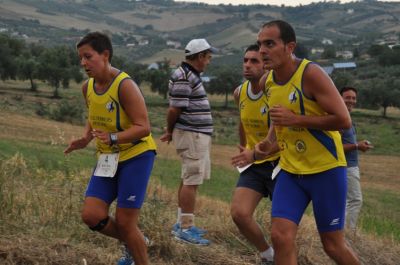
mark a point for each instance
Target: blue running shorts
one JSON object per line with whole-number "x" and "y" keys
{"x": 326, "y": 190}
{"x": 128, "y": 185}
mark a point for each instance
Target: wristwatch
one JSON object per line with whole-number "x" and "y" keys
{"x": 113, "y": 138}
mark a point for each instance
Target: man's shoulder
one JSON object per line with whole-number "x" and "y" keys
{"x": 181, "y": 73}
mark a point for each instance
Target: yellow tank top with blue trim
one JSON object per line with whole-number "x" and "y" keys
{"x": 303, "y": 150}
{"x": 254, "y": 117}
{"x": 106, "y": 114}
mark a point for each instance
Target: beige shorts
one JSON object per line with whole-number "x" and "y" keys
{"x": 194, "y": 150}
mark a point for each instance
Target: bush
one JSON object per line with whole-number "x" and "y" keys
{"x": 63, "y": 111}
{"x": 68, "y": 111}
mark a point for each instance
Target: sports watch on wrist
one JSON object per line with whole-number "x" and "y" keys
{"x": 113, "y": 138}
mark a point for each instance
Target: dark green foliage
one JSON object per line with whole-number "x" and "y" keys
{"x": 329, "y": 52}
{"x": 9, "y": 49}
{"x": 301, "y": 51}
{"x": 224, "y": 81}
{"x": 65, "y": 110}
{"x": 57, "y": 65}
{"x": 382, "y": 93}
{"x": 159, "y": 78}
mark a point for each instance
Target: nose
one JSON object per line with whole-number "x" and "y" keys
{"x": 263, "y": 49}
{"x": 83, "y": 61}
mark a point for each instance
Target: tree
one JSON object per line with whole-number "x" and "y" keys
{"x": 382, "y": 92}
{"x": 159, "y": 78}
{"x": 136, "y": 71}
{"x": 9, "y": 49}
{"x": 27, "y": 69}
{"x": 301, "y": 51}
{"x": 329, "y": 52}
{"x": 28, "y": 64}
{"x": 225, "y": 80}
{"x": 375, "y": 49}
{"x": 57, "y": 66}
{"x": 341, "y": 79}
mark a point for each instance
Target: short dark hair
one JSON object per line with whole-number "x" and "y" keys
{"x": 253, "y": 48}
{"x": 98, "y": 41}
{"x": 347, "y": 88}
{"x": 285, "y": 29}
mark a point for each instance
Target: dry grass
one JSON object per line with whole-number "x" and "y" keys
{"x": 43, "y": 225}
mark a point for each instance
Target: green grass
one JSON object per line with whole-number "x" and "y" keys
{"x": 220, "y": 186}
{"x": 380, "y": 213}
{"x": 48, "y": 157}
{"x": 381, "y": 132}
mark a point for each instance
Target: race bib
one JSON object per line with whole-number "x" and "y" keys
{"x": 107, "y": 165}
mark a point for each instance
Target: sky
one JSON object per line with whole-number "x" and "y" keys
{"x": 264, "y": 2}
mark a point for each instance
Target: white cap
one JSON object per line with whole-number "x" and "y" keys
{"x": 198, "y": 45}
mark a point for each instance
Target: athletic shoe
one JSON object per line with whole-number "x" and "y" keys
{"x": 176, "y": 227}
{"x": 126, "y": 258}
{"x": 191, "y": 237}
{"x": 266, "y": 262}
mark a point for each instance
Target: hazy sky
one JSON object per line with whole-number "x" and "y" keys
{"x": 271, "y": 2}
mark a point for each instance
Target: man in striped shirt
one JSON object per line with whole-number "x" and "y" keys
{"x": 190, "y": 126}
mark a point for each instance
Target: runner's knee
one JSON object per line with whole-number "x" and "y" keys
{"x": 239, "y": 216}
{"x": 99, "y": 225}
{"x": 281, "y": 237}
{"x": 92, "y": 219}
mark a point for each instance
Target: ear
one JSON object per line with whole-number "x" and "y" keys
{"x": 291, "y": 46}
{"x": 106, "y": 54}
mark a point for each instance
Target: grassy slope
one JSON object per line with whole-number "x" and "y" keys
{"x": 41, "y": 143}
{"x": 57, "y": 183}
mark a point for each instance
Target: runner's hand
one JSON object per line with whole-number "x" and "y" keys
{"x": 245, "y": 157}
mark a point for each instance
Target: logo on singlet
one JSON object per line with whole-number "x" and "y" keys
{"x": 263, "y": 110}
{"x": 292, "y": 97}
{"x": 110, "y": 106}
{"x": 300, "y": 146}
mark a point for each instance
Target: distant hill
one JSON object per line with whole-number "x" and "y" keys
{"x": 141, "y": 29}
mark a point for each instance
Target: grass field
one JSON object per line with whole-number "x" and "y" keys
{"x": 46, "y": 190}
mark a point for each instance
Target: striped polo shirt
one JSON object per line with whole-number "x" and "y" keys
{"x": 186, "y": 91}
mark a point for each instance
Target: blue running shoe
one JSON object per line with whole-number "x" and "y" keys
{"x": 176, "y": 227}
{"x": 126, "y": 258}
{"x": 198, "y": 230}
{"x": 191, "y": 237}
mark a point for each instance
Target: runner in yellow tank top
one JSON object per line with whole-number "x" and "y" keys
{"x": 118, "y": 120}
{"x": 306, "y": 110}
{"x": 106, "y": 114}
{"x": 306, "y": 150}
{"x": 255, "y": 182}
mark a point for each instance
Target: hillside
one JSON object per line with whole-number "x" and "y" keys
{"x": 147, "y": 25}
{"x": 41, "y": 194}
{"x": 48, "y": 234}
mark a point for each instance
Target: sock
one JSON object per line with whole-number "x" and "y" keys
{"x": 187, "y": 220}
{"x": 268, "y": 254}
{"x": 178, "y": 220}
